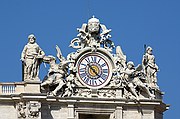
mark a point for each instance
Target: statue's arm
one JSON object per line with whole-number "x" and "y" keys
{"x": 23, "y": 53}
{"x": 41, "y": 52}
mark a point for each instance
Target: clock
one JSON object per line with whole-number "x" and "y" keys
{"x": 94, "y": 70}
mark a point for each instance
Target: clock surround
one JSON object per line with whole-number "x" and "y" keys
{"x": 94, "y": 69}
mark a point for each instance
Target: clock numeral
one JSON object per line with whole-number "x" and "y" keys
{"x": 90, "y": 82}
{"x": 82, "y": 70}
{"x": 86, "y": 80}
{"x": 95, "y": 83}
{"x": 99, "y": 60}
{"x": 104, "y": 64}
{"x": 93, "y": 58}
{"x": 82, "y": 75}
{"x": 100, "y": 81}
{"x": 105, "y": 70}
{"x": 87, "y": 60}
{"x": 104, "y": 76}
{"x": 88, "y": 64}
{"x": 83, "y": 64}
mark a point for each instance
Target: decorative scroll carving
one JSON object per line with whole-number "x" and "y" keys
{"x": 90, "y": 35}
{"x": 21, "y": 108}
{"x": 68, "y": 78}
{"x": 34, "y": 109}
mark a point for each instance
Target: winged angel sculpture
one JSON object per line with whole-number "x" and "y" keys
{"x": 129, "y": 76}
{"x": 57, "y": 72}
{"x": 86, "y": 64}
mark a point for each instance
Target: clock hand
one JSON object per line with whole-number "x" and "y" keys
{"x": 93, "y": 69}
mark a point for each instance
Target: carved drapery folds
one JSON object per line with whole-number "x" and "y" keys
{"x": 31, "y": 58}
{"x": 150, "y": 67}
{"x": 67, "y": 78}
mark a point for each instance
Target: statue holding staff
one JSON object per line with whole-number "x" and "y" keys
{"x": 31, "y": 57}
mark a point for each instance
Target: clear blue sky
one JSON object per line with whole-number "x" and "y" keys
{"x": 133, "y": 23}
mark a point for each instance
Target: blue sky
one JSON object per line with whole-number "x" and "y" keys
{"x": 133, "y": 23}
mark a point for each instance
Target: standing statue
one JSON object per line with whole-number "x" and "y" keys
{"x": 150, "y": 67}
{"x": 131, "y": 75}
{"x": 90, "y": 35}
{"x": 31, "y": 57}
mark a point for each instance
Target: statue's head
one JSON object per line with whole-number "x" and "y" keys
{"x": 31, "y": 38}
{"x": 93, "y": 25}
{"x": 149, "y": 50}
{"x": 130, "y": 65}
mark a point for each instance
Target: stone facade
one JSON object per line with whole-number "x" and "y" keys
{"x": 91, "y": 83}
{"x": 52, "y": 107}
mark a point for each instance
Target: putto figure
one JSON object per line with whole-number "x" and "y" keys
{"x": 150, "y": 67}
{"x": 31, "y": 57}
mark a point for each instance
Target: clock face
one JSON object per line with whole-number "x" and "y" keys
{"x": 94, "y": 70}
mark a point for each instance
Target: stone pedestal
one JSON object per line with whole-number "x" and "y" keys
{"x": 32, "y": 86}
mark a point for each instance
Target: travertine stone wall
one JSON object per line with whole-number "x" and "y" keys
{"x": 7, "y": 110}
{"x": 54, "y": 111}
{"x": 54, "y": 107}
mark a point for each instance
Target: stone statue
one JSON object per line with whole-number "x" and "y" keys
{"x": 31, "y": 57}
{"x": 120, "y": 65}
{"x": 90, "y": 35}
{"x": 150, "y": 67}
{"x": 120, "y": 59}
{"x": 63, "y": 70}
{"x": 74, "y": 75}
{"x": 21, "y": 110}
{"x": 131, "y": 76}
{"x": 57, "y": 72}
{"x": 71, "y": 58}
{"x": 34, "y": 109}
{"x": 53, "y": 73}
{"x": 70, "y": 86}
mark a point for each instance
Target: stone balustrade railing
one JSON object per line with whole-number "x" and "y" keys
{"x": 11, "y": 88}
{"x": 8, "y": 88}
{"x": 34, "y": 87}
{"x": 19, "y": 87}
